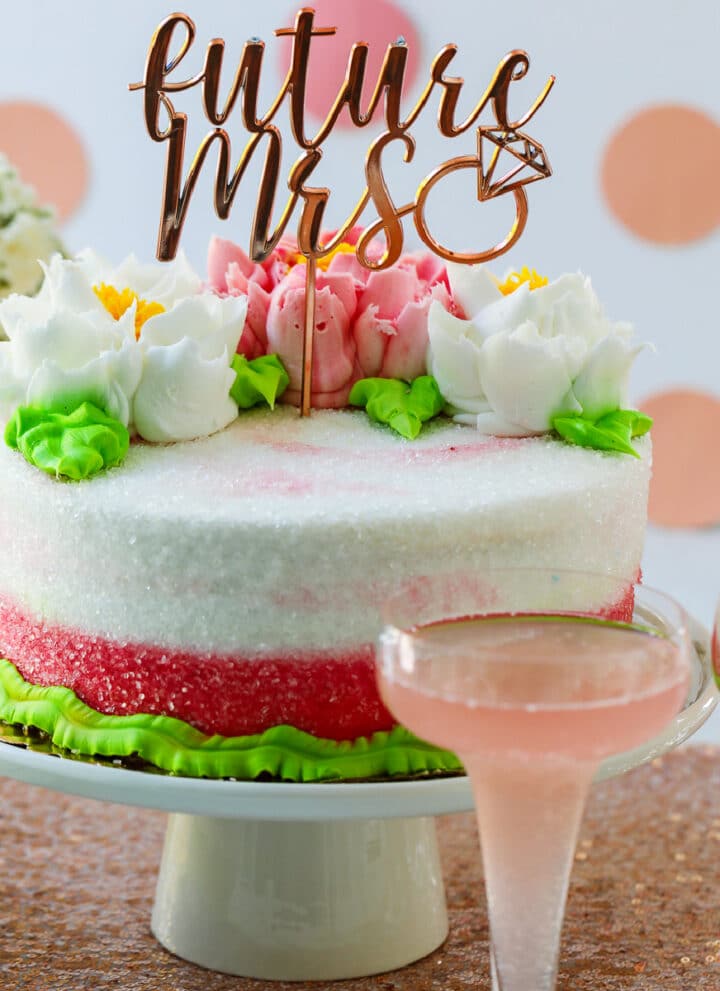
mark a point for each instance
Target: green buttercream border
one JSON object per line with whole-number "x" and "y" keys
{"x": 172, "y": 745}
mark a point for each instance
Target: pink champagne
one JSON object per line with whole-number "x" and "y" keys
{"x": 532, "y": 705}
{"x": 571, "y": 687}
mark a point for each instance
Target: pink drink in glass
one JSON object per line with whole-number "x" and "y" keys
{"x": 532, "y": 705}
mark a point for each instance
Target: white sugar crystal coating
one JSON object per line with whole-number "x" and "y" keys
{"x": 280, "y": 534}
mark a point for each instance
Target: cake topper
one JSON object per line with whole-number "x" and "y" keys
{"x": 506, "y": 159}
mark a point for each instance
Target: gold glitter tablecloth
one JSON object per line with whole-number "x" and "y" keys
{"x": 644, "y": 909}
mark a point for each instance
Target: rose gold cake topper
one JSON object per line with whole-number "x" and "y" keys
{"x": 506, "y": 159}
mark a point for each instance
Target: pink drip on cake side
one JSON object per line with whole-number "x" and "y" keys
{"x": 415, "y": 455}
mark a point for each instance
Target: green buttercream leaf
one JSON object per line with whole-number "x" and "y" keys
{"x": 174, "y": 746}
{"x": 262, "y": 380}
{"x": 77, "y": 445}
{"x": 611, "y": 432}
{"x": 585, "y": 433}
{"x": 403, "y": 407}
{"x": 639, "y": 423}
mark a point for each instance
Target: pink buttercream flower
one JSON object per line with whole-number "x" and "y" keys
{"x": 367, "y": 323}
{"x": 391, "y": 327}
{"x": 232, "y": 273}
{"x": 335, "y": 367}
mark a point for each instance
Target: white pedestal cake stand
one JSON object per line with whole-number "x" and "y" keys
{"x": 305, "y": 882}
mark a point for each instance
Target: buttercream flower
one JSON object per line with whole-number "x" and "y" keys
{"x": 526, "y": 355}
{"x": 391, "y": 329}
{"x": 335, "y": 366}
{"x": 141, "y": 342}
{"x": 232, "y": 273}
{"x": 27, "y": 233}
{"x": 65, "y": 347}
{"x": 367, "y": 323}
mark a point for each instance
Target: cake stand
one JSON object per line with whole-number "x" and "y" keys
{"x": 306, "y": 882}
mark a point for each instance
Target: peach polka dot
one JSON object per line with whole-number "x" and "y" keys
{"x": 660, "y": 174}
{"x": 685, "y": 487}
{"x": 377, "y": 22}
{"x": 47, "y": 153}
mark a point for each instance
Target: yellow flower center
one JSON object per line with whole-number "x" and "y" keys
{"x": 517, "y": 279}
{"x": 322, "y": 263}
{"x": 118, "y": 301}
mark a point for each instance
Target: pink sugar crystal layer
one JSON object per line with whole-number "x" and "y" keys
{"x": 333, "y": 697}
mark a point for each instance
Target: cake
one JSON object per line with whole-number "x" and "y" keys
{"x": 201, "y": 584}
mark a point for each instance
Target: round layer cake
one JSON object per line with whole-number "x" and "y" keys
{"x": 231, "y": 588}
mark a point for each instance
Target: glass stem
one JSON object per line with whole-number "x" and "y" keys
{"x": 529, "y": 813}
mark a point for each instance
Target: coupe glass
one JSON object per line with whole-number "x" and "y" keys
{"x": 533, "y": 678}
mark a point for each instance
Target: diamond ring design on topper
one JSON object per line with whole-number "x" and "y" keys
{"x": 506, "y": 159}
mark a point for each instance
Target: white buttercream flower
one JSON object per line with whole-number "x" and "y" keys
{"x": 142, "y": 342}
{"x": 185, "y": 387}
{"x": 524, "y": 357}
{"x": 165, "y": 284}
{"x": 65, "y": 347}
{"x": 27, "y": 234}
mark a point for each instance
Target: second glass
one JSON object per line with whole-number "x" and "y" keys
{"x": 532, "y": 678}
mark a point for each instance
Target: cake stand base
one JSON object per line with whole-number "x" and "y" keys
{"x": 297, "y": 901}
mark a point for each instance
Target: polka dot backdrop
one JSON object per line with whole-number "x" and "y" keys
{"x": 377, "y": 22}
{"x": 686, "y": 458}
{"x": 47, "y": 151}
{"x": 632, "y": 130}
{"x": 661, "y": 174}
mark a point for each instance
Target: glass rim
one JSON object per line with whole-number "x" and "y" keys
{"x": 396, "y": 604}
